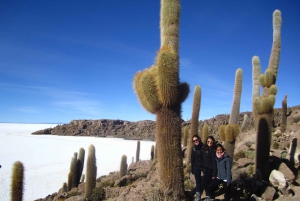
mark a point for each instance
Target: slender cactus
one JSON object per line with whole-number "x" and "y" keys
{"x": 235, "y": 108}
{"x": 160, "y": 92}
{"x": 91, "y": 172}
{"x": 194, "y": 120}
{"x": 17, "y": 181}
{"x": 79, "y": 165}
{"x": 284, "y": 114}
{"x": 185, "y": 135}
{"x": 123, "y": 166}
{"x": 137, "y": 155}
{"x": 152, "y": 152}
{"x": 256, "y": 71}
{"x": 244, "y": 123}
{"x": 204, "y": 132}
{"x": 73, "y": 171}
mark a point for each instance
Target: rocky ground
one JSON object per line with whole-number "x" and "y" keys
{"x": 142, "y": 183}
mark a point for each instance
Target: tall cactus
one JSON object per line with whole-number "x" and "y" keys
{"x": 235, "y": 108}
{"x": 160, "y": 92}
{"x": 17, "y": 181}
{"x": 91, "y": 172}
{"x": 185, "y": 135}
{"x": 204, "y": 132}
{"x": 229, "y": 133}
{"x": 152, "y": 152}
{"x": 79, "y": 165}
{"x": 137, "y": 154}
{"x": 194, "y": 120}
{"x": 123, "y": 166}
{"x": 284, "y": 114}
{"x": 256, "y": 71}
{"x": 73, "y": 172}
{"x": 264, "y": 104}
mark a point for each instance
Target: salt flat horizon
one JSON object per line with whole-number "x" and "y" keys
{"x": 46, "y": 158}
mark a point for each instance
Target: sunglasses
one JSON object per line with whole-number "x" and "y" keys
{"x": 208, "y": 141}
{"x": 195, "y": 140}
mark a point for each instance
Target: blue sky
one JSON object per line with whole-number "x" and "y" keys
{"x": 66, "y": 60}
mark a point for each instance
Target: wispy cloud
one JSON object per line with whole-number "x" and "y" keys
{"x": 60, "y": 99}
{"x": 28, "y": 110}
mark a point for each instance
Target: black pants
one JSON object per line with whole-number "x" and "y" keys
{"x": 208, "y": 173}
{"x": 212, "y": 186}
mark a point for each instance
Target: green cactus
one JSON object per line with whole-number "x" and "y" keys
{"x": 64, "y": 188}
{"x": 91, "y": 172}
{"x": 152, "y": 152}
{"x": 185, "y": 135}
{"x": 79, "y": 165}
{"x": 204, "y": 132}
{"x": 244, "y": 123}
{"x": 235, "y": 109}
{"x": 73, "y": 171}
{"x": 70, "y": 181}
{"x": 17, "y": 181}
{"x": 263, "y": 105}
{"x": 160, "y": 92}
{"x": 123, "y": 166}
{"x": 284, "y": 114}
{"x": 137, "y": 155}
{"x": 228, "y": 134}
{"x": 194, "y": 120}
{"x": 256, "y": 71}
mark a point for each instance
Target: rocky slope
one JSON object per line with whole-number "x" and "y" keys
{"x": 142, "y": 183}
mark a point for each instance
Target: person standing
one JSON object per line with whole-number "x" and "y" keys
{"x": 209, "y": 162}
{"x": 224, "y": 163}
{"x": 196, "y": 162}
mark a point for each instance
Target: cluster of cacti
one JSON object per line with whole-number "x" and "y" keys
{"x": 160, "y": 92}
{"x": 263, "y": 105}
{"x": 138, "y": 147}
{"x": 185, "y": 136}
{"x": 17, "y": 181}
{"x": 123, "y": 166}
{"x": 194, "y": 120}
{"x": 76, "y": 168}
{"x": 284, "y": 114}
{"x": 204, "y": 134}
{"x": 152, "y": 152}
{"x": 91, "y": 172}
{"x": 229, "y": 132}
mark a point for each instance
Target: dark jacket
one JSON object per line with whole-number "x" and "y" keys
{"x": 224, "y": 167}
{"x": 209, "y": 161}
{"x": 196, "y": 156}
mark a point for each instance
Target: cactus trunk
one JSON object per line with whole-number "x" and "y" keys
{"x": 17, "y": 180}
{"x": 168, "y": 141}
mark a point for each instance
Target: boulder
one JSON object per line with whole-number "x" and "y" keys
{"x": 278, "y": 181}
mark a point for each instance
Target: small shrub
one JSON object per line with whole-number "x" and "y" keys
{"x": 250, "y": 154}
{"x": 72, "y": 193}
{"x": 98, "y": 194}
{"x": 275, "y": 145}
{"x": 239, "y": 155}
{"x": 250, "y": 170}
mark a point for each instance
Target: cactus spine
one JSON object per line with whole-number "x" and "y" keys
{"x": 17, "y": 181}
{"x": 91, "y": 172}
{"x": 137, "y": 155}
{"x": 284, "y": 114}
{"x": 123, "y": 166}
{"x": 160, "y": 92}
{"x": 194, "y": 120}
{"x": 264, "y": 104}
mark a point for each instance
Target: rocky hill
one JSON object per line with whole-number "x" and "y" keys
{"x": 142, "y": 130}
